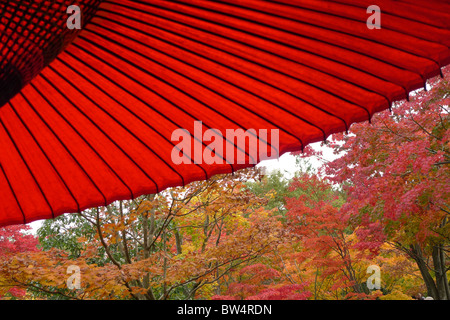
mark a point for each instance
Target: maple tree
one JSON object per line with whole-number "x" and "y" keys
{"x": 313, "y": 261}
{"x": 401, "y": 278}
{"x": 261, "y": 282}
{"x": 178, "y": 243}
{"x": 14, "y": 240}
{"x": 326, "y": 237}
{"x": 395, "y": 172}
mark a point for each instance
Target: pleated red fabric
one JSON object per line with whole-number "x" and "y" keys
{"x": 87, "y": 117}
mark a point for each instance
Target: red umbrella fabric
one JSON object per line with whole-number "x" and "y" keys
{"x": 88, "y": 116}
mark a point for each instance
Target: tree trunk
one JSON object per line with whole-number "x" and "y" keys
{"x": 444, "y": 268}
{"x": 427, "y": 278}
{"x": 440, "y": 271}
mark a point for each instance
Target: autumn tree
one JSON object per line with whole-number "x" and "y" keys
{"x": 274, "y": 186}
{"x": 396, "y": 174}
{"x": 326, "y": 239}
{"x": 259, "y": 281}
{"x": 176, "y": 244}
{"x": 14, "y": 239}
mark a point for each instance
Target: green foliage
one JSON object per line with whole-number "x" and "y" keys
{"x": 275, "y": 186}
{"x": 63, "y": 233}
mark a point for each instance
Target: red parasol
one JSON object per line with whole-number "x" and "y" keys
{"x": 94, "y": 115}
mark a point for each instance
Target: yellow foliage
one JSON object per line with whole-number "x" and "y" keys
{"x": 207, "y": 291}
{"x": 187, "y": 248}
{"x": 396, "y": 295}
